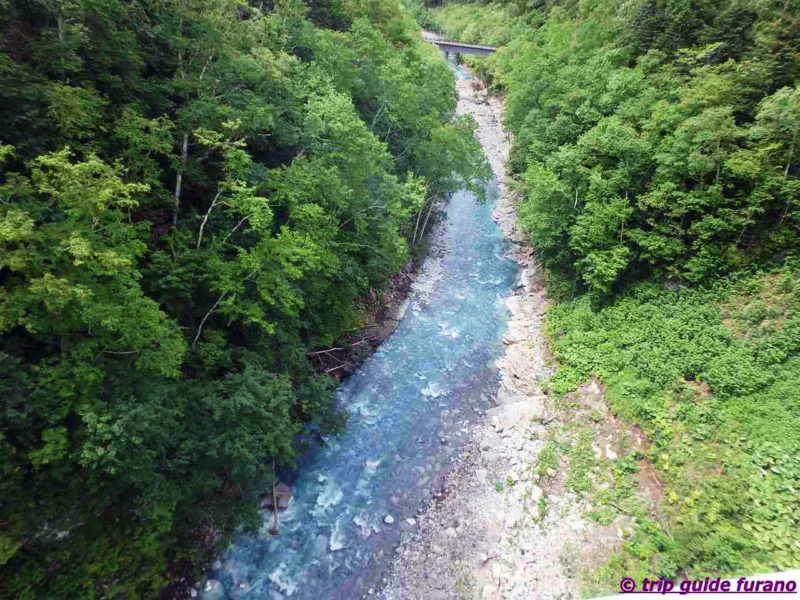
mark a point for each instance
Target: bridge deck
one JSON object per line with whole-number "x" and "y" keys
{"x": 450, "y": 46}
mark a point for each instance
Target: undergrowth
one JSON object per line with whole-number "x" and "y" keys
{"x": 712, "y": 376}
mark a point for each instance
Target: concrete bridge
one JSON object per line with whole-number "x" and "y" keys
{"x": 448, "y": 46}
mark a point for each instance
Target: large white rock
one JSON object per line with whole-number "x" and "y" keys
{"x": 480, "y": 475}
{"x": 509, "y": 415}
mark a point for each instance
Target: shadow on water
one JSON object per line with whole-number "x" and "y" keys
{"x": 410, "y": 406}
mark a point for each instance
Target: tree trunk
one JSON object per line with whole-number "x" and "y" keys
{"x": 428, "y": 216}
{"x": 786, "y": 176}
{"x": 179, "y": 178}
{"x": 414, "y": 237}
{"x": 276, "y": 524}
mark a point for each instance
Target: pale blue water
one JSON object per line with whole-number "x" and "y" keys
{"x": 427, "y": 382}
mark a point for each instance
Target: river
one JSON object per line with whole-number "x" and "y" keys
{"x": 411, "y": 407}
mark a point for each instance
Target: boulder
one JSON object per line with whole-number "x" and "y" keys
{"x": 536, "y": 494}
{"x": 212, "y": 590}
{"x": 507, "y": 416}
{"x": 240, "y": 591}
{"x": 480, "y": 475}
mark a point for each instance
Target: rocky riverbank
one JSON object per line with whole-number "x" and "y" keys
{"x": 380, "y": 312}
{"x": 505, "y": 526}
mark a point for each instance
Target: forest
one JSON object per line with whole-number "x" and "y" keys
{"x": 656, "y": 156}
{"x": 193, "y": 196}
{"x": 196, "y": 195}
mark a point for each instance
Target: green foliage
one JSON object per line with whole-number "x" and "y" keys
{"x": 542, "y": 507}
{"x": 711, "y": 375}
{"x": 649, "y": 139}
{"x": 548, "y": 459}
{"x": 581, "y": 459}
{"x": 192, "y": 196}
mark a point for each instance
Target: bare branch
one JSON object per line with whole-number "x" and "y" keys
{"x": 107, "y": 351}
{"x": 239, "y": 224}
{"x": 208, "y": 314}
{"x": 205, "y": 219}
{"x": 328, "y": 351}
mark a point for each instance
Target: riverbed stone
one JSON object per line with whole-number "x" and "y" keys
{"x": 212, "y": 590}
{"x": 480, "y": 475}
{"x": 240, "y": 591}
{"x": 509, "y": 415}
{"x": 535, "y": 494}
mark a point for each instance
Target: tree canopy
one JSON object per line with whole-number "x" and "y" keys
{"x": 192, "y": 196}
{"x": 651, "y": 138}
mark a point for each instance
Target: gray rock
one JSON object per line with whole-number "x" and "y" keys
{"x": 241, "y": 591}
{"x": 480, "y": 475}
{"x": 388, "y": 519}
{"x": 508, "y": 415}
{"x": 212, "y": 590}
{"x": 513, "y": 515}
